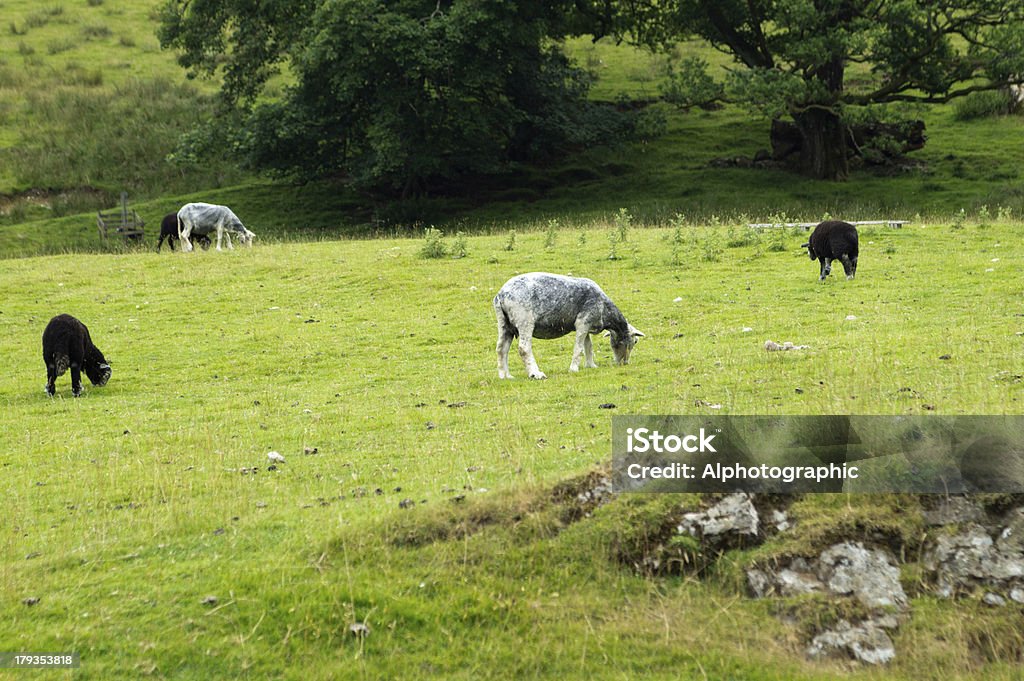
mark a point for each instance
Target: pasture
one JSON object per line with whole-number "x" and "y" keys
{"x": 416, "y": 496}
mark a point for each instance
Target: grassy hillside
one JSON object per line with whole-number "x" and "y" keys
{"x": 90, "y": 106}
{"x": 145, "y": 519}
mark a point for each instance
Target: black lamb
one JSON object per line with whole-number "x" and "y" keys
{"x": 66, "y": 344}
{"x": 169, "y": 231}
{"x": 834, "y": 240}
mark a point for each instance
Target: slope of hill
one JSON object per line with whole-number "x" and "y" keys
{"x": 148, "y": 531}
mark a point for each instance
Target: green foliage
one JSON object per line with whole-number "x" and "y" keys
{"x": 984, "y": 217}
{"x": 796, "y": 57}
{"x": 433, "y": 244}
{"x": 689, "y": 84}
{"x": 983, "y": 105}
{"x": 493, "y": 87}
{"x": 623, "y": 221}
{"x": 510, "y": 242}
{"x": 459, "y": 247}
{"x": 710, "y": 246}
{"x": 551, "y": 235}
{"x": 676, "y": 241}
{"x": 613, "y": 244}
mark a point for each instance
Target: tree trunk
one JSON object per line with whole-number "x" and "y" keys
{"x": 822, "y": 145}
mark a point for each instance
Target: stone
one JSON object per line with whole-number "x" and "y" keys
{"x": 995, "y": 600}
{"x": 870, "y": 575}
{"x": 866, "y": 642}
{"x": 733, "y": 515}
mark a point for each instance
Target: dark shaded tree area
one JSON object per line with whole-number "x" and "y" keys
{"x": 404, "y": 96}
{"x": 827, "y": 63}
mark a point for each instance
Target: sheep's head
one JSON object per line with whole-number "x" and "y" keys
{"x": 810, "y": 250}
{"x": 96, "y": 367}
{"x": 244, "y": 235}
{"x": 622, "y": 344}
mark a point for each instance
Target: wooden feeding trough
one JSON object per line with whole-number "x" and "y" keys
{"x": 125, "y": 223}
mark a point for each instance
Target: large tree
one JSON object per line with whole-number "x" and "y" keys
{"x": 819, "y": 61}
{"x": 400, "y": 95}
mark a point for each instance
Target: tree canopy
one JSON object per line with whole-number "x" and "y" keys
{"x": 820, "y": 61}
{"x": 403, "y": 95}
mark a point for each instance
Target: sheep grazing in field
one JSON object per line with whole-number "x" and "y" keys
{"x": 205, "y": 218}
{"x": 541, "y": 305}
{"x": 67, "y": 345}
{"x": 834, "y": 240}
{"x": 169, "y": 231}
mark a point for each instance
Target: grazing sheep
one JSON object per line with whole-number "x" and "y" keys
{"x": 169, "y": 231}
{"x": 834, "y": 240}
{"x": 204, "y": 218}
{"x": 66, "y": 344}
{"x": 541, "y": 305}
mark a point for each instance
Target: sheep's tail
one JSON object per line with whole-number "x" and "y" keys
{"x": 503, "y": 319}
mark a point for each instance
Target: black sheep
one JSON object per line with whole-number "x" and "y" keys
{"x": 169, "y": 231}
{"x": 834, "y": 240}
{"x": 66, "y": 344}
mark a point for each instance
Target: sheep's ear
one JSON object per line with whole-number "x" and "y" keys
{"x": 636, "y": 332}
{"x": 606, "y": 334}
{"x": 806, "y": 245}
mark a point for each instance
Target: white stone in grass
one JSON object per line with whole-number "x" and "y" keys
{"x": 275, "y": 457}
{"x": 995, "y": 260}
{"x": 990, "y": 269}
{"x": 772, "y": 346}
{"x": 746, "y": 329}
{"x": 850, "y": 317}
{"x": 678, "y": 300}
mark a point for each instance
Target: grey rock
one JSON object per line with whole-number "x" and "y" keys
{"x": 971, "y": 558}
{"x": 780, "y": 519}
{"x": 1017, "y": 595}
{"x": 866, "y": 642}
{"x": 994, "y": 600}
{"x": 733, "y": 515}
{"x": 870, "y": 575}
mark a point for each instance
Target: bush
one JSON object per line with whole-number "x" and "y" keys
{"x": 983, "y": 105}
{"x": 433, "y": 244}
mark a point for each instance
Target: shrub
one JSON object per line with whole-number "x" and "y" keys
{"x": 983, "y": 105}
{"x": 551, "y": 235}
{"x": 433, "y": 244}
{"x": 459, "y": 248}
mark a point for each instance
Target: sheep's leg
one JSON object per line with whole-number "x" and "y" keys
{"x": 526, "y": 352}
{"x": 505, "y": 337}
{"x": 220, "y": 235}
{"x": 826, "y": 268}
{"x": 849, "y": 266}
{"x": 227, "y": 236}
{"x": 76, "y": 379}
{"x": 588, "y": 348}
{"x": 51, "y": 378}
{"x": 582, "y": 336}
{"x": 184, "y": 229}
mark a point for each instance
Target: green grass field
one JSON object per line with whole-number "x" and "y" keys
{"x": 129, "y": 507}
{"x": 436, "y": 504}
